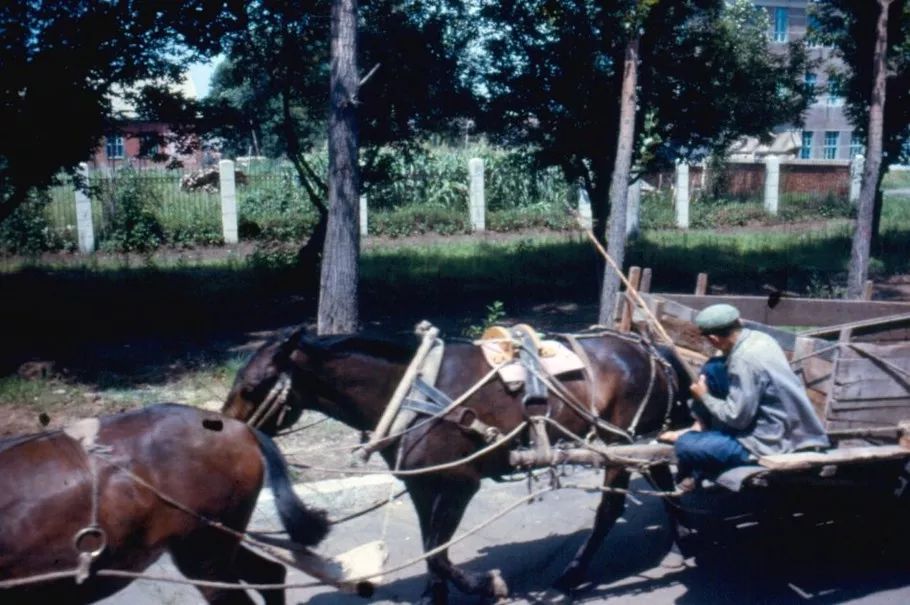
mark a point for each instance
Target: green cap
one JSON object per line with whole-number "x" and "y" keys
{"x": 716, "y": 317}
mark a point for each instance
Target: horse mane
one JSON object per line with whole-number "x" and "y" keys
{"x": 8, "y": 443}
{"x": 346, "y": 344}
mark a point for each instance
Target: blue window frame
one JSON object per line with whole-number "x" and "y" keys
{"x": 830, "y": 149}
{"x": 781, "y": 22}
{"x": 113, "y": 147}
{"x": 805, "y": 152}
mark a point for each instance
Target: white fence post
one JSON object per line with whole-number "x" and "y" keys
{"x": 682, "y": 195}
{"x": 856, "y": 176}
{"x": 477, "y": 204}
{"x": 363, "y": 216}
{"x": 228, "y": 201}
{"x": 772, "y": 184}
{"x": 584, "y": 208}
{"x": 85, "y": 227}
{"x": 633, "y": 208}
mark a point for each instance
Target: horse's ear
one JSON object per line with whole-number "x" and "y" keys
{"x": 289, "y": 345}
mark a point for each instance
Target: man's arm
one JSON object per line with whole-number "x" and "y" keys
{"x": 738, "y": 409}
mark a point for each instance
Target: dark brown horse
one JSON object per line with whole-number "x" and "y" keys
{"x": 213, "y": 466}
{"x": 352, "y": 378}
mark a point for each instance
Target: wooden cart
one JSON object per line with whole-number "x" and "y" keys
{"x": 854, "y": 359}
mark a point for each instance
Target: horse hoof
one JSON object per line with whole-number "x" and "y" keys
{"x": 365, "y": 589}
{"x": 571, "y": 578}
{"x": 498, "y": 587}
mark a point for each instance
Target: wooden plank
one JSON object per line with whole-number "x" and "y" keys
{"x": 885, "y": 351}
{"x": 869, "y": 325}
{"x": 625, "y": 321}
{"x": 797, "y": 311}
{"x": 645, "y": 285}
{"x": 866, "y": 417}
{"x": 843, "y": 405}
{"x": 873, "y": 388}
{"x": 701, "y": 284}
{"x": 851, "y": 455}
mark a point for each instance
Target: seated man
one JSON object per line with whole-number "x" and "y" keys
{"x": 765, "y": 411}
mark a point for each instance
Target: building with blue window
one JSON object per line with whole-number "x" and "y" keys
{"x": 826, "y": 132}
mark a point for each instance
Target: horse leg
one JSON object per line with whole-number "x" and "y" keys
{"x": 440, "y": 507}
{"x": 661, "y": 478}
{"x": 209, "y": 554}
{"x": 255, "y": 569}
{"x": 609, "y": 510}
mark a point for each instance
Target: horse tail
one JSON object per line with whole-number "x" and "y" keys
{"x": 304, "y": 526}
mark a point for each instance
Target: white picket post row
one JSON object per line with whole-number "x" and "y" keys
{"x": 857, "y": 165}
{"x": 772, "y": 184}
{"x": 633, "y": 208}
{"x": 476, "y": 201}
{"x": 85, "y": 228}
{"x": 228, "y": 201}
{"x": 363, "y": 216}
{"x": 584, "y": 208}
{"x": 681, "y": 199}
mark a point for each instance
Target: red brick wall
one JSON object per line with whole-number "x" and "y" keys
{"x": 818, "y": 179}
{"x": 747, "y": 179}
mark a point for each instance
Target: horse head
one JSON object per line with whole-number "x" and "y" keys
{"x": 263, "y": 392}
{"x": 343, "y": 376}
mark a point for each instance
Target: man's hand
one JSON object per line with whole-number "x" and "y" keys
{"x": 700, "y": 388}
{"x": 672, "y": 436}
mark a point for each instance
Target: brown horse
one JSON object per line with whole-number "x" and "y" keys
{"x": 351, "y": 378}
{"x": 51, "y": 489}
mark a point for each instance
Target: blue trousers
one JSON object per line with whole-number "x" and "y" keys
{"x": 702, "y": 454}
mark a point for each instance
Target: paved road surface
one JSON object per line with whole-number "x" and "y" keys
{"x": 834, "y": 563}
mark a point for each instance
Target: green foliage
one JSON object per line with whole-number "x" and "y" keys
{"x": 129, "y": 211}
{"x": 80, "y": 54}
{"x": 27, "y": 231}
{"x": 706, "y": 77}
{"x": 272, "y": 207}
{"x": 657, "y": 211}
{"x": 419, "y": 219}
{"x": 438, "y": 175}
{"x": 272, "y": 256}
{"x": 495, "y": 312}
{"x": 850, "y": 27}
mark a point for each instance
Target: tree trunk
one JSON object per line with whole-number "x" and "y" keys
{"x": 338, "y": 284}
{"x": 862, "y": 236}
{"x": 619, "y": 187}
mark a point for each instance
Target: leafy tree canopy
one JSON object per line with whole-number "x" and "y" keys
{"x": 549, "y": 73}
{"x": 271, "y": 93}
{"x": 62, "y": 61}
{"x": 849, "y": 27}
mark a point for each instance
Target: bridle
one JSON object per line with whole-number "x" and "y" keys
{"x": 275, "y": 402}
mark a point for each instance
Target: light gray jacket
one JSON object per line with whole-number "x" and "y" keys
{"x": 767, "y": 409}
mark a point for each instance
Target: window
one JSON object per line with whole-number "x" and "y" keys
{"x": 834, "y": 89}
{"x": 856, "y": 145}
{"x": 148, "y": 145}
{"x": 805, "y": 152}
{"x": 813, "y": 30}
{"x": 780, "y": 25}
{"x": 811, "y": 82}
{"x": 114, "y": 146}
{"x": 830, "y": 150}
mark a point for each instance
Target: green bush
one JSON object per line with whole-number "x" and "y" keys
{"x": 27, "y": 230}
{"x": 274, "y": 207}
{"x": 129, "y": 205}
{"x": 416, "y": 220}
